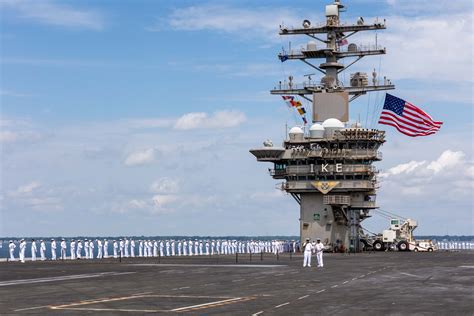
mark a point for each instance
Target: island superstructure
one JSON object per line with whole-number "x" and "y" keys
{"x": 328, "y": 168}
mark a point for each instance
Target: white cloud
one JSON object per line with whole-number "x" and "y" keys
{"x": 161, "y": 202}
{"x": 26, "y": 189}
{"x": 431, "y": 178}
{"x": 48, "y": 12}
{"x": 137, "y": 204}
{"x": 165, "y": 186}
{"x": 142, "y": 157}
{"x": 258, "y": 22}
{"x": 8, "y": 137}
{"x": 448, "y": 159}
{"x": 201, "y": 120}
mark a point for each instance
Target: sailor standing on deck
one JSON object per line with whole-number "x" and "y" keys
{"x": 167, "y": 248}
{"x": 43, "y": 250}
{"x": 91, "y": 249}
{"x": 127, "y": 244}
{"x": 319, "y": 252}
{"x": 72, "y": 249}
{"x": 179, "y": 247}
{"x": 155, "y": 248}
{"x": 308, "y": 249}
{"x": 53, "y": 249}
{"x": 79, "y": 249}
{"x": 121, "y": 245}
{"x": 106, "y": 248}
{"x": 11, "y": 248}
{"x": 140, "y": 248}
{"x": 173, "y": 251}
{"x": 185, "y": 247}
{"x": 33, "y": 250}
{"x": 86, "y": 248}
{"x": 99, "y": 249}
{"x": 22, "y": 250}
{"x": 132, "y": 248}
{"x": 63, "y": 249}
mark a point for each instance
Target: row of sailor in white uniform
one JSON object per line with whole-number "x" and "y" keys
{"x": 97, "y": 248}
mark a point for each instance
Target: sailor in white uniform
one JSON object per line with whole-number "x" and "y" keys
{"x": 132, "y": 248}
{"x": 63, "y": 249}
{"x": 167, "y": 248}
{"x": 86, "y": 248}
{"x": 22, "y": 250}
{"x": 173, "y": 251}
{"x": 106, "y": 248}
{"x": 72, "y": 249}
{"x": 127, "y": 244}
{"x": 79, "y": 249}
{"x": 33, "y": 250}
{"x": 140, "y": 248}
{"x": 162, "y": 246}
{"x": 99, "y": 249}
{"x": 179, "y": 247}
{"x": 190, "y": 248}
{"x": 319, "y": 252}
{"x": 42, "y": 250}
{"x": 91, "y": 249}
{"x": 155, "y": 248}
{"x": 11, "y": 248}
{"x": 121, "y": 245}
{"x": 308, "y": 250}
{"x": 185, "y": 247}
{"x": 53, "y": 249}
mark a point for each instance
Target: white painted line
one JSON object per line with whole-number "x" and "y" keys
{"x": 238, "y": 280}
{"x": 258, "y": 313}
{"x": 345, "y": 282}
{"x": 321, "y": 291}
{"x": 469, "y": 267}
{"x": 302, "y": 297}
{"x": 206, "y": 304}
{"x": 184, "y": 287}
{"x": 62, "y": 278}
{"x": 335, "y": 285}
{"x": 410, "y": 275}
{"x": 278, "y": 306}
{"x": 255, "y": 284}
{"x": 208, "y": 265}
{"x": 353, "y": 279}
{"x": 363, "y": 275}
{"x": 207, "y": 284}
{"x": 31, "y": 308}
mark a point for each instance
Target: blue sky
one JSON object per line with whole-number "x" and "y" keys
{"x": 135, "y": 117}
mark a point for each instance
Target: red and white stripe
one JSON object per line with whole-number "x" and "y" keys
{"x": 413, "y": 121}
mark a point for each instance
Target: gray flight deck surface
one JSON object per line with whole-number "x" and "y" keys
{"x": 393, "y": 283}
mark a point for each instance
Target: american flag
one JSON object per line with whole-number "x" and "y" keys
{"x": 407, "y": 118}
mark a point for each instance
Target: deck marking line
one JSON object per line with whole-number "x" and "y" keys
{"x": 62, "y": 278}
{"x": 469, "y": 267}
{"x": 238, "y": 280}
{"x": 353, "y": 279}
{"x": 31, "y": 308}
{"x": 320, "y": 291}
{"x": 184, "y": 287}
{"x": 278, "y": 306}
{"x": 363, "y": 275}
{"x": 206, "y": 304}
{"x": 345, "y": 282}
{"x": 302, "y": 297}
{"x": 335, "y": 285}
{"x": 255, "y": 284}
{"x": 257, "y": 313}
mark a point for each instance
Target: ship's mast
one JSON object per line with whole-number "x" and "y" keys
{"x": 336, "y": 35}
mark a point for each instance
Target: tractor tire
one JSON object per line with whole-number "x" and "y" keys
{"x": 430, "y": 249}
{"x": 416, "y": 250}
{"x": 378, "y": 246}
{"x": 403, "y": 246}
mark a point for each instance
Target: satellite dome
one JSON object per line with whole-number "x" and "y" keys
{"x": 316, "y": 131}
{"x": 296, "y": 134}
{"x": 333, "y": 123}
{"x": 296, "y": 130}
